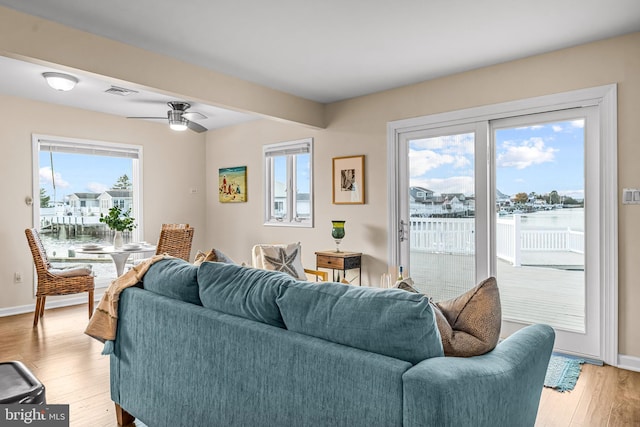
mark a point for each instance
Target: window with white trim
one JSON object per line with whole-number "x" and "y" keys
{"x": 289, "y": 183}
{"x": 77, "y": 180}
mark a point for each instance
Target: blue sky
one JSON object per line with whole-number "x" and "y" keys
{"x": 79, "y": 173}
{"x": 539, "y": 159}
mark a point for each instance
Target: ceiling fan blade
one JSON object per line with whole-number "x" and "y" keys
{"x": 193, "y": 115}
{"x": 196, "y": 127}
{"x": 162, "y": 118}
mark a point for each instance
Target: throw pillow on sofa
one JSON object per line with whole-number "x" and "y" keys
{"x": 284, "y": 258}
{"x": 214, "y": 255}
{"x": 470, "y": 323}
{"x": 173, "y": 278}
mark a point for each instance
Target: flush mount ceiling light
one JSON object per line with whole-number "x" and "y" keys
{"x": 60, "y": 81}
{"x": 176, "y": 121}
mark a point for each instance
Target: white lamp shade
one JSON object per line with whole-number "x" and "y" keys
{"x": 176, "y": 121}
{"x": 60, "y": 81}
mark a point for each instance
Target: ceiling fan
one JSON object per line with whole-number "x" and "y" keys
{"x": 180, "y": 118}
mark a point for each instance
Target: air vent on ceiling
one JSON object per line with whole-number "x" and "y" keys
{"x": 115, "y": 90}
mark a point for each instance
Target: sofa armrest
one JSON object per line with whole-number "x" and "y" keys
{"x": 500, "y": 388}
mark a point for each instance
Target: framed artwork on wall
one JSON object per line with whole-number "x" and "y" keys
{"x": 348, "y": 180}
{"x": 232, "y": 184}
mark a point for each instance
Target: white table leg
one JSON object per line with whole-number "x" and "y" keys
{"x": 119, "y": 259}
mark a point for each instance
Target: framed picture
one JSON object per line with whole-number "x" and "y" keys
{"x": 348, "y": 180}
{"x": 232, "y": 184}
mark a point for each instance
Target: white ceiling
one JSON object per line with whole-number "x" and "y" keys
{"x": 323, "y": 50}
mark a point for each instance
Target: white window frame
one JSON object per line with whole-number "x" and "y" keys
{"x": 290, "y": 149}
{"x": 84, "y": 146}
{"x": 605, "y": 97}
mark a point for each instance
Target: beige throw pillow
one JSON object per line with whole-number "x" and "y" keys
{"x": 213, "y": 255}
{"x": 284, "y": 258}
{"x": 470, "y": 323}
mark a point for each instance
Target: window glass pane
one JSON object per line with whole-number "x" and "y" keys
{"x": 303, "y": 185}
{"x": 540, "y": 229}
{"x": 279, "y": 186}
{"x": 74, "y": 190}
{"x": 288, "y": 180}
{"x": 442, "y": 214}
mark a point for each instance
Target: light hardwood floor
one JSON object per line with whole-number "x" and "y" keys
{"x": 74, "y": 372}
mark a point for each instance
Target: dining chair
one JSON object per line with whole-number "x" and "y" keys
{"x": 175, "y": 240}
{"x": 52, "y": 281}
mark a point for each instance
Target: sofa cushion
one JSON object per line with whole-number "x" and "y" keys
{"x": 242, "y": 291}
{"x": 470, "y": 323}
{"x": 214, "y": 255}
{"x": 385, "y": 321}
{"x": 173, "y": 278}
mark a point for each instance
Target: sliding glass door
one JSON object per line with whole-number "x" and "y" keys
{"x": 517, "y": 198}
{"x": 441, "y": 212}
{"x": 546, "y": 224}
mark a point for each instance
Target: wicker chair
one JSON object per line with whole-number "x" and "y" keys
{"x": 55, "y": 284}
{"x": 175, "y": 240}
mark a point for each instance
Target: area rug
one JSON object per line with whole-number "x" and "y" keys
{"x": 563, "y": 372}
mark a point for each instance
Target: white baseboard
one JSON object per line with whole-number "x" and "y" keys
{"x": 51, "y": 303}
{"x": 630, "y": 363}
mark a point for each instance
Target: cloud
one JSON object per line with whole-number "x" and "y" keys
{"x": 45, "y": 176}
{"x": 557, "y": 128}
{"x": 533, "y": 127}
{"x": 526, "y": 153}
{"x": 578, "y": 123}
{"x": 425, "y": 160}
{"x": 451, "y": 144}
{"x": 97, "y": 187}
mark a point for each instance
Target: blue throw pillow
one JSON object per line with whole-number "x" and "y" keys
{"x": 385, "y": 321}
{"x": 245, "y": 292}
{"x": 173, "y": 278}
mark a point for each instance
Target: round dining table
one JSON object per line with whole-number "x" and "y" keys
{"x": 119, "y": 255}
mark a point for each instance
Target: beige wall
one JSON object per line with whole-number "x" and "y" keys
{"x": 358, "y": 126}
{"x": 173, "y": 163}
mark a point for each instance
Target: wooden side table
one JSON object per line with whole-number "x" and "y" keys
{"x": 337, "y": 261}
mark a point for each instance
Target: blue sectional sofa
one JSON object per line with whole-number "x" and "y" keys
{"x": 224, "y": 345}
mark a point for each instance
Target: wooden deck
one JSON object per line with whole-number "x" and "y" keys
{"x": 535, "y": 293}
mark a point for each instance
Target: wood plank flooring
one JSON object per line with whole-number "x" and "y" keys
{"x": 73, "y": 371}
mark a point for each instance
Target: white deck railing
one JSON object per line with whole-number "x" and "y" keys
{"x": 456, "y": 236}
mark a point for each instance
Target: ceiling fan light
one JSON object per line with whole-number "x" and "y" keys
{"x": 60, "y": 81}
{"x": 176, "y": 121}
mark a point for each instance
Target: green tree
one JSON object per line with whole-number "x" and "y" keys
{"x": 521, "y": 198}
{"x": 44, "y": 199}
{"x": 123, "y": 183}
{"x": 554, "y": 197}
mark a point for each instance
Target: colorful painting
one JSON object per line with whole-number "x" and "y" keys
{"x": 232, "y": 184}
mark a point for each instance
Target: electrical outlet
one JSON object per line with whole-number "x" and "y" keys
{"x": 630, "y": 196}
{"x": 17, "y": 277}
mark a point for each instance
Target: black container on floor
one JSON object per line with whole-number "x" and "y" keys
{"x": 19, "y": 385}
